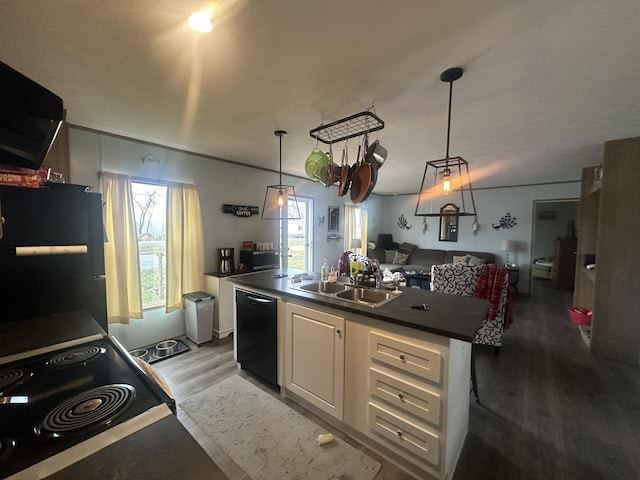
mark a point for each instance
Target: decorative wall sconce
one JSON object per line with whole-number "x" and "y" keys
{"x": 321, "y": 220}
{"x": 506, "y": 221}
{"x": 403, "y": 224}
{"x": 424, "y": 225}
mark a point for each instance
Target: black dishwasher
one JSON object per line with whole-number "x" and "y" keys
{"x": 257, "y": 334}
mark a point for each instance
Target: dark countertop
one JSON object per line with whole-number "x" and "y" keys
{"x": 30, "y": 334}
{"x": 451, "y": 316}
{"x": 162, "y": 450}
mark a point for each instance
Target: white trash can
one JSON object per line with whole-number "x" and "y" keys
{"x": 198, "y": 316}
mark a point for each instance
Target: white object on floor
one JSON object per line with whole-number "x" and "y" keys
{"x": 325, "y": 438}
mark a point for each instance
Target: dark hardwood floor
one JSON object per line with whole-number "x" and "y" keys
{"x": 549, "y": 409}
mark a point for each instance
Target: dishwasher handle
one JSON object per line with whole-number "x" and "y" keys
{"x": 259, "y": 300}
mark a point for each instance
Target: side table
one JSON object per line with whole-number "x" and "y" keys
{"x": 514, "y": 276}
{"x": 418, "y": 279}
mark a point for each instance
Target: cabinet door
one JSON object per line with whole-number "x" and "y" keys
{"x": 314, "y": 357}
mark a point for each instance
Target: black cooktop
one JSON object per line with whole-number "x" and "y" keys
{"x": 62, "y": 398}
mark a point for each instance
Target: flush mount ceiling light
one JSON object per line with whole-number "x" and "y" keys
{"x": 201, "y": 21}
{"x": 280, "y": 202}
{"x": 448, "y": 177}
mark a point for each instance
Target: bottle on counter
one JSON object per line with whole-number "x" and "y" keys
{"x": 333, "y": 276}
{"x": 324, "y": 271}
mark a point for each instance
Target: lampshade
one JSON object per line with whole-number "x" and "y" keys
{"x": 446, "y": 180}
{"x": 280, "y": 202}
{"x": 508, "y": 246}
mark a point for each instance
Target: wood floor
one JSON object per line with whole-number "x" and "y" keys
{"x": 549, "y": 409}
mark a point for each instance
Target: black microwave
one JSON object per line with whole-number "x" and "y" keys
{"x": 255, "y": 260}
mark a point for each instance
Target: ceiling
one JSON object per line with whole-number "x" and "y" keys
{"x": 546, "y": 82}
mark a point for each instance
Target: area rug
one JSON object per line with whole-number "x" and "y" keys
{"x": 268, "y": 439}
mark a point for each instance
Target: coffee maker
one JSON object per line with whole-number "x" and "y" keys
{"x": 225, "y": 260}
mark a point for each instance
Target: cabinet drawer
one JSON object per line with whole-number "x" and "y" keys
{"x": 402, "y": 433}
{"x": 405, "y": 396}
{"x": 410, "y": 358}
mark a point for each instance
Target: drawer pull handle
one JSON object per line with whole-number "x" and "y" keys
{"x": 401, "y": 396}
{"x": 399, "y": 433}
{"x": 402, "y": 357}
{"x": 338, "y": 331}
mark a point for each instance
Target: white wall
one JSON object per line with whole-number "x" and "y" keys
{"x": 217, "y": 182}
{"x": 491, "y": 205}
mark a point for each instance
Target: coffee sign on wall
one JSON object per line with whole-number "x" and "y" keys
{"x": 240, "y": 210}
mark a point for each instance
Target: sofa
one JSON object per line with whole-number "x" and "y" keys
{"x": 407, "y": 257}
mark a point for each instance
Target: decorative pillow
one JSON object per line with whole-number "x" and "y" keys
{"x": 460, "y": 259}
{"x": 389, "y": 255}
{"x": 400, "y": 258}
{"x": 407, "y": 247}
{"x": 474, "y": 261}
{"x": 454, "y": 278}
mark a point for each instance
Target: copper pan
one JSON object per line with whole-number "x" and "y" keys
{"x": 345, "y": 174}
{"x": 360, "y": 180}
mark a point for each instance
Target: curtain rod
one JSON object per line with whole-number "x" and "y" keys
{"x": 148, "y": 181}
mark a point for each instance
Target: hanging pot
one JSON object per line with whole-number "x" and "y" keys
{"x": 316, "y": 160}
{"x": 345, "y": 173}
{"x": 360, "y": 180}
{"x": 328, "y": 175}
{"x": 376, "y": 154}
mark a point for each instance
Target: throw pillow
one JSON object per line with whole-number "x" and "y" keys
{"x": 475, "y": 261}
{"x": 400, "y": 258}
{"x": 407, "y": 247}
{"x": 389, "y": 255}
{"x": 460, "y": 259}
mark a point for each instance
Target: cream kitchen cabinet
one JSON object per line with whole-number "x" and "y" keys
{"x": 403, "y": 391}
{"x": 224, "y": 307}
{"x": 314, "y": 357}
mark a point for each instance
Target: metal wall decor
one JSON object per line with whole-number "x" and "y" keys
{"x": 240, "y": 210}
{"x": 403, "y": 224}
{"x": 507, "y": 221}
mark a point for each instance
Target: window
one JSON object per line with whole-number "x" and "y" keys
{"x": 160, "y": 231}
{"x": 149, "y": 209}
{"x": 355, "y": 229}
{"x": 299, "y": 235}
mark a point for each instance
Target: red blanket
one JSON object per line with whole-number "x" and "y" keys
{"x": 489, "y": 287}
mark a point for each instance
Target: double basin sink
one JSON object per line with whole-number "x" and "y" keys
{"x": 371, "y": 297}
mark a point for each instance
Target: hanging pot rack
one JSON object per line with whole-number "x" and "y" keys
{"x": 348, "y": 127}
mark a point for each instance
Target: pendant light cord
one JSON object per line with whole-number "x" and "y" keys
{"x": 280, "y": 133}
{"x": 449, "y": 118}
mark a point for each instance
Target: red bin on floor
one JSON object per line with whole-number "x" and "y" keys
{"x": 580, "y": 316}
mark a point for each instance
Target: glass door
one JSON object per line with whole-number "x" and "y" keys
{"x": 298, "y": 235}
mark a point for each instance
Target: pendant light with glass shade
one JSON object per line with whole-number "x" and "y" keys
{"x": 280, "y": 202}
{"x": 448, "y": 178}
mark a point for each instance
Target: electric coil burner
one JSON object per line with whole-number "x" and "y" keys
{"x": 70, "y": 396}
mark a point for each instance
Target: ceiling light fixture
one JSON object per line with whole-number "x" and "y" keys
{"x": 453, "y": 172}
{"x": 201, "y": 21}
{"x": 280, "y": 202}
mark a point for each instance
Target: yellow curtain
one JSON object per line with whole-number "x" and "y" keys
{"x": 185, "y": 245}
{"x": 355, "y": 227}
{"x": 122, "y": 268}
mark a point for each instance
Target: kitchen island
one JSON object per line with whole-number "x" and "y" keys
{"x": 394, "y": 377}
